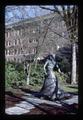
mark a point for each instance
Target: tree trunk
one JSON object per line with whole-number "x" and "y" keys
{"x": 36, "y": 63}
{"x": 28, "y": 76}
{"x": 27, "y": 79}
{"x": 73, "y": 74}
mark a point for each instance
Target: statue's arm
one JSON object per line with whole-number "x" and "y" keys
{"x": 45, "y": 67}
{"x": 58, "y": 68}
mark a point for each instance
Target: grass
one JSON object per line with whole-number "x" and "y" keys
{"x": 65, "y": 87}
{"x": 68, "y": 89}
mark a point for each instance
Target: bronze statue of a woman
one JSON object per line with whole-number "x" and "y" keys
{"x": 50, "y": 86}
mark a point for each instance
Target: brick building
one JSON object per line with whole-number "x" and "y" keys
{"x": 39, "y": 34}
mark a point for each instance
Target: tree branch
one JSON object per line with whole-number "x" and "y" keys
{"x": 47, "y": 8}
{"x": 64, "y": 12}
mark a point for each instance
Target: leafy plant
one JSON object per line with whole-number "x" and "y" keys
{"x": 36, "y": 76}
{"x": 13, "y": 76}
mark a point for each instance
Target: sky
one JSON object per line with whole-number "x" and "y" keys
{"x": 17, "y": 13}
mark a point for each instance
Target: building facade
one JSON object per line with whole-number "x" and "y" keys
{"x": 39, "y": 35}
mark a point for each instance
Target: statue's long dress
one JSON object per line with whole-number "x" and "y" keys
{"x": 49, "y": 86}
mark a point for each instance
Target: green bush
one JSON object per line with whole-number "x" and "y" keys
{"x": 13, "y": 76}
{"x": 19, "y": 67}
{"x": 65, "y": 65}
{"x": 36, "y": 75}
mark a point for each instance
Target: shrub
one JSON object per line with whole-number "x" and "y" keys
{"x": 10, "y": 74}
{"x": 62, "y": 78}
{"x": 37, "y": 76}
{"x": 13, "y": 76}
{"x": 65, "y": 65}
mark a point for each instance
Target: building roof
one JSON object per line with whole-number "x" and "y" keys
{"x": 30, "y": 20}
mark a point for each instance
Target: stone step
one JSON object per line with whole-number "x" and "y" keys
{"x": 37, "y": 101}
{"x": 72, "y": 100}
{"x": 16, "y": 111}
{"x": 25, "y": 105}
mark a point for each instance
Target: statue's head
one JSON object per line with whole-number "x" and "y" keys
{"x": 50, "y": 57}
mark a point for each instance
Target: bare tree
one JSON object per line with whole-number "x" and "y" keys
{"x": 19, "y": 13}
{"x": 22, "y": 12}
{"x": 67, "y": 13}
{"x": 14, "y": 14}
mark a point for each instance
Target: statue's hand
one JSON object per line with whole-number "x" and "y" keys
{"x": 59, "y": 70}
{"x": 45, "y": 72}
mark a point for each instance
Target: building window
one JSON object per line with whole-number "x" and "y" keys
{"x": 15, "y": 42}
{"x": 8, "y": 59}
{"x": 9, "y": 43}
{"x": 18, "y": 60}
{"x": 21, "y": 51}
{"x": 34, "y": 50}
{"x": 6, "y": 43}
{"x": 8, "y": 34}
{"x": 18, "y": 41}
{"x": 18, "y": 51}
{"x": 5, "y": 34}
{"x": 38, "y": 29}
{"x": 7, "y": 52}
{"x": 15, "y": 51}
{"x": 30, "y": 41}
{"x": 12, "y": 51}
{"x": 14, "y": 33}
{"x": 18, "y": 32}
{"x": 36, "y": 40}
{"x": 21, "y": 32}
{"x": 14, "y": 59}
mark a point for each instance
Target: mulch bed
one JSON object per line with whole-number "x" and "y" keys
{"x": 12, "y": 98}
{"x": 51, "y": 110}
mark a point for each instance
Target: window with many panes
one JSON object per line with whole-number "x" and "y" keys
{"x": 15, "y": 51}
{"x": 15, "y": 42}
